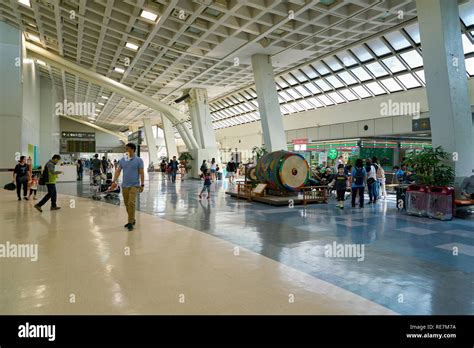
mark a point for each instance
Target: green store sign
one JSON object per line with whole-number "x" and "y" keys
{"x": 332, "y": 153}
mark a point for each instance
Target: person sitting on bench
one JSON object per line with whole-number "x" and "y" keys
{"x": 467, "y": 187}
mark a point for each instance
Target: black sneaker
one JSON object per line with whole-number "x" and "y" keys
{"x": 130, "y": 227}
{"x": 55, "y": 208}
{"x": 37, "y": 207}
{"x": 133, "y": 223}
{"x": 19, "y": 198}
{"x": 25, "y": 198}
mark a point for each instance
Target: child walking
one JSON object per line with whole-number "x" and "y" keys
{"x": 33, "y": 186}
{"x": 340, "y": 184}
{"x": 207, "y": 185}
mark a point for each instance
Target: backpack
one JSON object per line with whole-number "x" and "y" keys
{"x": 44, "y": 177}
{"x": 359, "y": 177}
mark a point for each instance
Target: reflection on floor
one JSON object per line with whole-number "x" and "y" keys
{"x": 87, "y": 263}
{"x": 408, "y": 264}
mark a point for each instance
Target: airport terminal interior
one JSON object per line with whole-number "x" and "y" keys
{"x": 237, "y": 157}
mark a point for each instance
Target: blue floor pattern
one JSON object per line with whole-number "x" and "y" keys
{"x": 409, "y": 264}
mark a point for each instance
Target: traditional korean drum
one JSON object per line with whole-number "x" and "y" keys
{"x": 283, "y": 170}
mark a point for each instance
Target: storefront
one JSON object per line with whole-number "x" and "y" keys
{"x": 389, "y": 153}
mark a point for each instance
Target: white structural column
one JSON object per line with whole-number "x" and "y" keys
{"x": 150, "y": 141}
{"x": 184, "y": 135}
{"x": 201, "y": 118}
{"x": 268, "y": 105}
{"x": 49, "y": 126}
{"x": 446, "y": 81}
{"x": 203, "y": 131}
{"x": 170, "y": 139}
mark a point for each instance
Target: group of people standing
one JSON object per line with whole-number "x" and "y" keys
{"x": 95, "y": 165}
{"x": 357, "y": 178}
{"x": 170, "y": 169}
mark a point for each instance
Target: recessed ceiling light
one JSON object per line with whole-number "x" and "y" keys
{"x": 132, "y": 46}
{"x": 101, "y": 103}
{"x": 25, "y": 2}
{"x": 119, "y": 70}
{"x": 194, "y": 30}
{"x": 33, "y": 38}
{"x": 212, "y": 12}
{"x": 149, "y": 15}
{"x": 40, "y": 62}
{"x": 104, "y": 97}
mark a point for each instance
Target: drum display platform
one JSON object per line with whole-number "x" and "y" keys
{"x": 279, "y": 200}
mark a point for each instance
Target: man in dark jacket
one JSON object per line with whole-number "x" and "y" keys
{"x": 174, "y": 166}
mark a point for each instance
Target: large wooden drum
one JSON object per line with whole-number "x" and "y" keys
{"x": 251, "y": 173}
{"x": 283, "y": 170}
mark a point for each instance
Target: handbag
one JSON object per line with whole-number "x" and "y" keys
{"x": 10, "y": 186}
{"x": 370, "y": 181}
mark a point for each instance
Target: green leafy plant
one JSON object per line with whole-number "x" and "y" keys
{"x": 259, "y": 152}
{"x": 186, "y": 157}
{"x": 432, "y": 167}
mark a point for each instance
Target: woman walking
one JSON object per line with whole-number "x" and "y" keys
{"x": 21, "y": 176}
{"x": 213, "y": 169}
{"x": 371, "y": 181}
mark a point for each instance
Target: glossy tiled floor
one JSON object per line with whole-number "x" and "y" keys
{"x": 89, "y": 264}
{"x": 408, "y": 266}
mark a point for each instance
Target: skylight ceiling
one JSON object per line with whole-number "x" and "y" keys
{"x": 191, "y": 43}
{"x": 387, "y": 64}
{"x": 194, "y": 43}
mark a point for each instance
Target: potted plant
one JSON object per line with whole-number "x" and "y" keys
{"x": 186, "y": 157}
{"x": 432, "y": 195}
{"x": 259, "y": 152}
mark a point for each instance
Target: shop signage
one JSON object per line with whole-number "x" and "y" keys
{"x": 332, "y": 153}
{"x": 300, "y": 141}
{"x": 355, "y": 150}
{"x": 136, "y": 137}
{"x": 300, "y": 147}
{"x": 78, "y": 135}
{"x": 421, "y": 124}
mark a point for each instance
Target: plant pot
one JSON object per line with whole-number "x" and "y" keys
{"x": 417, "y": 200}
{"x": 441, "y": 202}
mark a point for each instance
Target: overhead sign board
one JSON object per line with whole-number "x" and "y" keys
{"x": 421, "y": 124}
{"x": 78, "y": 135}
{"x": 136, "y": 137}
{"x": 300, "y": 141}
